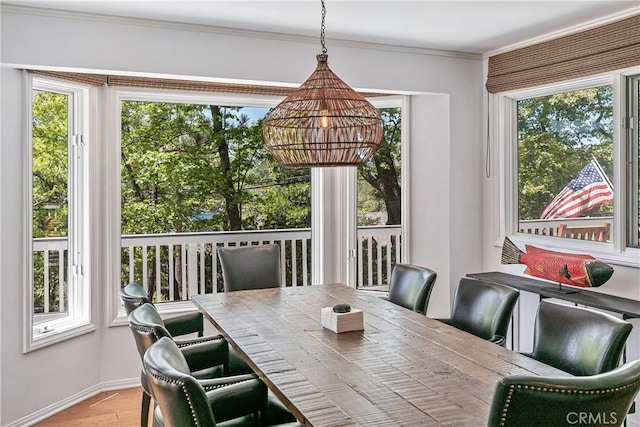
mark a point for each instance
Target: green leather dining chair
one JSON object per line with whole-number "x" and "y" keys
{"x": 594, "y": 400}
{"x": 133, "y": 296}
{"x": 250, "y": 267}
{"x": 410, "y": 286}
{"x": 580, "y": 341}
{"x": 483, "y": 309}
{"x": 208, "y": 357}
{"x": 185, "y": 401}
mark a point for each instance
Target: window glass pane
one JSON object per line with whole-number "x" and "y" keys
{"x": 380, "y": 206}
{"x": 194, "y": 178}
{"x": 565, "y": 161}
{"x": 50, "y": 201}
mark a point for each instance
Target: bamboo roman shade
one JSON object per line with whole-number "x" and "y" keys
{"x": 596, "y": 50}
{"x": 82, "y": 78}
{"x": 171, "y": 84}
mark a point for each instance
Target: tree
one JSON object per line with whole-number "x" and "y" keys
{"x": 382, "y": 171}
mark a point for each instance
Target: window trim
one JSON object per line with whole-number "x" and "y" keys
{"x": 502, "y": 108}
{"x": 630, "y": 85}
{"x": 80, "y": 318}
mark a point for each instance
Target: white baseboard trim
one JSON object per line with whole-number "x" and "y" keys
{"x": 73, "y": 400}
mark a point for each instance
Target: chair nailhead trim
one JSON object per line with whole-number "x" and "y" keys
{"x": 512, "y": 387}
{"x": 200, "y": 340}
{"x": 147, "y": 329}
{"x": 184, "y": 390}
{"x": 193, "y": 411}
{"x": 217, "y": 386}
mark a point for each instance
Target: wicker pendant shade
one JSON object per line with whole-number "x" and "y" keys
{"x": 323, "y": 123}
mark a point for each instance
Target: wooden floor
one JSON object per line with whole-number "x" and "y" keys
{"x": 112, "y": 408}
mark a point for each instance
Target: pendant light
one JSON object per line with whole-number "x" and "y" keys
{"x": 324, "y": 122}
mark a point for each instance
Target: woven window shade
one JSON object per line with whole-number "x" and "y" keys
{"x": 172, "y": 84}
{"x": 196, "y": 86}
{"x": 82, "y": 78}
{"x": 597, "y": 50}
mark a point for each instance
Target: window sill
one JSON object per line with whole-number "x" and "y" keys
{"x": 57, "y": 331}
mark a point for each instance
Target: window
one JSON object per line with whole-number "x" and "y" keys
{"x": 59, "y": 291}
{"x": 379, "y": 205}
{"x": 565, "y": 180}
{"x": 565, "y": 159}
{"x": 194, "y": 176}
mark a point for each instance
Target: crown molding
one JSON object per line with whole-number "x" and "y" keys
{"x": 227, "y": 31}
{"x": 567, "y": 31}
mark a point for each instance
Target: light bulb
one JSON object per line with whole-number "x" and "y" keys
{"x": 325, "y": 119}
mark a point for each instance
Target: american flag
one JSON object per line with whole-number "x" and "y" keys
{"x": 590, "y": 188}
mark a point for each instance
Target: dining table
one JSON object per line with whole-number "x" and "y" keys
{"x": 402, "y": 369}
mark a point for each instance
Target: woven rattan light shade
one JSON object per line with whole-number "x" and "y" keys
{"x": 323, "y": 123}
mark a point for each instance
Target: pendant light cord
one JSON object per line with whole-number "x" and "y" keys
{"x": 324, "y": 13}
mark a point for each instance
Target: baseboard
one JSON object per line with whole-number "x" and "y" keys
{"x": 73, "y": 400}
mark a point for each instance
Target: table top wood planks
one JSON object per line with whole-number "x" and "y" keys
{"x": 404, "y": 369}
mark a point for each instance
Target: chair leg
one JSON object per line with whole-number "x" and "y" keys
{"x": 144, "y": 413}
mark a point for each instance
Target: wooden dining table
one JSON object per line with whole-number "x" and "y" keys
{"x": 403, "y": 369}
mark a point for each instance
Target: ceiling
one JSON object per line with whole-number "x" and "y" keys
{"x": 478, "y": 26}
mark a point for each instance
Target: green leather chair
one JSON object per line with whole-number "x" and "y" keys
{"x": 250, "y": 267}
{"x": 185, "y": 401}
{"x": 133, "y": 296}
{"x": 207, "y": 357}
{"x": 594, "y": 400}
{"x": 483, "y": 309}
{"x": 578, "y": 340}
{"x": 410, "y": 286}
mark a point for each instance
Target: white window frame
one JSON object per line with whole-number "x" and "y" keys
{"x": 630, "y": 125}
{"x": 79, "y": 319}
{"x": 504, "y": 128}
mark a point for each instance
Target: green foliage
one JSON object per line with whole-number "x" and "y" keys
{"x": 187, "y": 167}
{"x": 50, "y": 169}
{"x": 557, "y": 136}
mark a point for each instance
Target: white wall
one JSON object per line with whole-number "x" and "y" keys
{"x": 445, "y": 183}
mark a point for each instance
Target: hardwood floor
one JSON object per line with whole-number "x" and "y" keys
{"x": 119, "y": 408}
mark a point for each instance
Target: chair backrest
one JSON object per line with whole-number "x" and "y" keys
{"x": 250, "y": 267}
{"x": 133, "y": 296}
{"x": 602, "y": 399}
{"x": 147, "y": 327}
{"x": 181, "y": 398}
{"x": 411, "y": 286}
{"x": 483, "y": 308}
{"x": 578, "y": 340}
{"x": 598, "y": 233}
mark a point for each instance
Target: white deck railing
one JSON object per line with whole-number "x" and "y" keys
{"x": 189, "y": 262}
{"x": 550, "y": 227}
